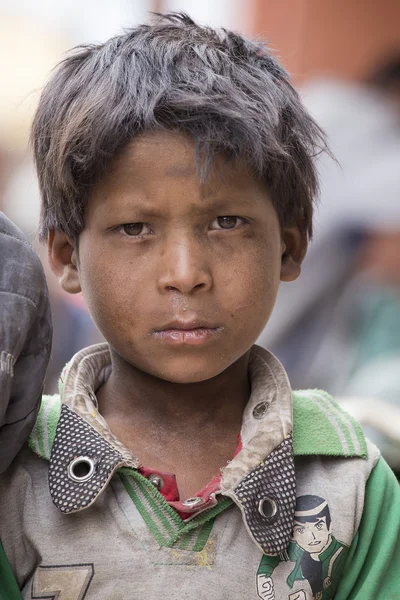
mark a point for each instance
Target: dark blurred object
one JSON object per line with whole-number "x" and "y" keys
{"x": 73, "y": 328}
{"x": 25, "y": 338}
{"x": 385, "y": 78}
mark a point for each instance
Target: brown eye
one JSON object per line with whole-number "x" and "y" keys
{"x": 227, "y": 222}
{"x": 135, "y": 229}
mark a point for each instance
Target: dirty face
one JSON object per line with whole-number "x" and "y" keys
{"x": 313, "y": 537}
{"x": 181, "y": 276}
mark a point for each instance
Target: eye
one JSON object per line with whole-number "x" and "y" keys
{"x": 227, "y": 222}
{"x": 134, "y": 229}
{"x": 299, "y": 530}
{"x": 319, "y": 526}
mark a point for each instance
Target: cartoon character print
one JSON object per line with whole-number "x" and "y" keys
{"x": 317, "y": 555}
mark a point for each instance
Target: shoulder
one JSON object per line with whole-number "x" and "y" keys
{"x": 321, "y": 427}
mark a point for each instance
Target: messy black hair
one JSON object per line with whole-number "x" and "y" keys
{"x": 226, "y": 92}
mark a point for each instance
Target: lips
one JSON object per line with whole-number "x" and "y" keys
{"x": 183, "y": 325}
{"x": 193, "y": 333}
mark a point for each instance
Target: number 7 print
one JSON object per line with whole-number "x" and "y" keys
{"x": 62, "y": 582}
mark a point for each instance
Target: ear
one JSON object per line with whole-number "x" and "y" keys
{"x": 63, "y": 259}
{"x": 294, "y": 248}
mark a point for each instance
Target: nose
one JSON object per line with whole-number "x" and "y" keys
{"x": 184, "y": 267}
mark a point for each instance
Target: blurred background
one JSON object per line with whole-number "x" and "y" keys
{"x": 338, "y": 326}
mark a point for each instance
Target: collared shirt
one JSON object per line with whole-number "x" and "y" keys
{"x": 92, "y": 524}
{"x": 91, "y": 368}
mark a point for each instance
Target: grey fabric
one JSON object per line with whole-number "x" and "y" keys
{"x": 25, "y": 338}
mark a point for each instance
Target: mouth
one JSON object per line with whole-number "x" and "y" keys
{"x": 316, "y": 543}
{"x": 191, "y": 333}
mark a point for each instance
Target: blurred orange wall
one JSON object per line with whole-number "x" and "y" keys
{"x": 338, "y": 37}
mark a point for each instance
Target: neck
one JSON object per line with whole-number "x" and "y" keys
{"x": 136, "y": 397}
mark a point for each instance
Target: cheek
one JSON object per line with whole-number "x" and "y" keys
{"x": 324, "y": 534}
{"x": 109, "y": 291}
{"x": 254, "y": 279}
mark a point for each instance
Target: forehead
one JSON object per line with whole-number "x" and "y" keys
{"x": 164, "y": 159}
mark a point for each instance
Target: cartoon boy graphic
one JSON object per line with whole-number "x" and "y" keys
{"x": 317, "y": 554}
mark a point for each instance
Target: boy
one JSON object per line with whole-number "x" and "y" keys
{"x": 177, "y": 177}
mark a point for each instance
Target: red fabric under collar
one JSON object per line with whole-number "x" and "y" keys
{"x": 170, "y": 490}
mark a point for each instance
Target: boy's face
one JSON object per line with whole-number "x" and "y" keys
{"x": 313, "y": 537}
{"x": 179, "y": 276}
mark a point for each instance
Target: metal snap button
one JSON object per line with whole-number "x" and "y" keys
{"x": 260, "y": 409}
{"x": 192, "y": 501}
{"x": 156, "y": 480}
{"x": 81, "y": 469}
{"x": 268, "y": 508}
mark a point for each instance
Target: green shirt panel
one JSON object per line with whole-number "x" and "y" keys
{"x": 372, "y": 567}
{"x": 8, "y": 586}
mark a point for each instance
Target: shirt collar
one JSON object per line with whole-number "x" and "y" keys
{"x": 259, "y": 479}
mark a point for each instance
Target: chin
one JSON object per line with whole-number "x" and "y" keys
{"x": 188, "y": 371}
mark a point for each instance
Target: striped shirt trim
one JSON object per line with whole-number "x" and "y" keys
{"x": 44, "y": 431}
{"x": 343, "y": 421}
{"x": 316, "y": 406}
{"x": 164, "y": 523}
